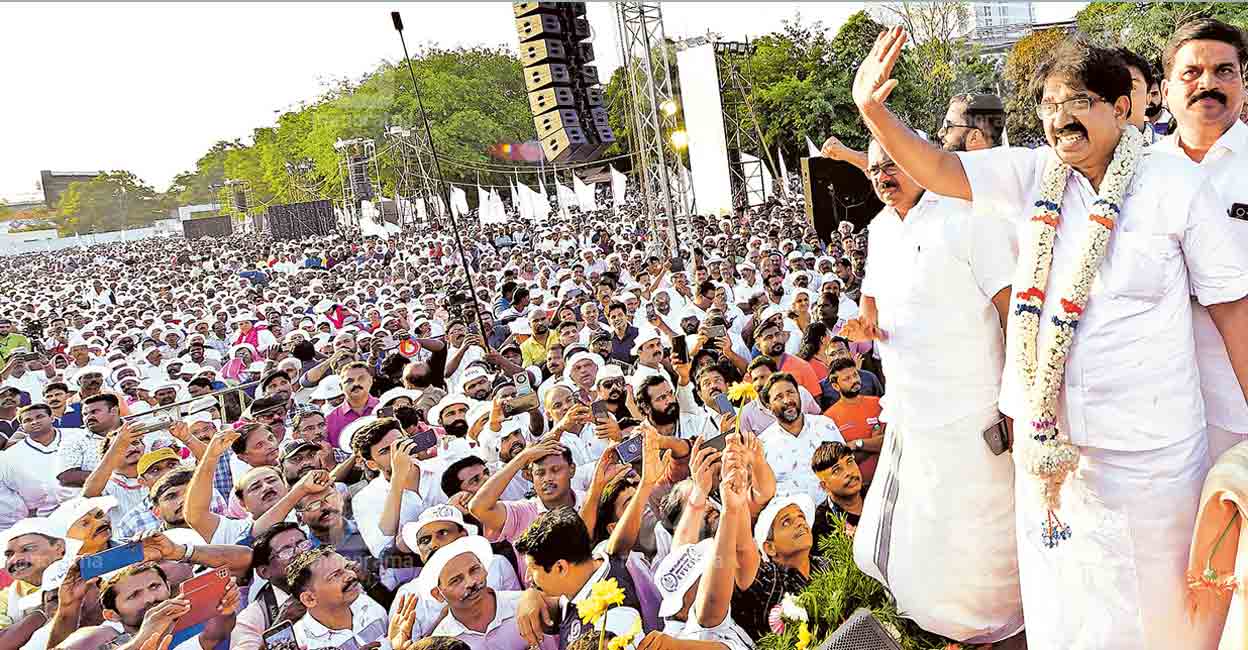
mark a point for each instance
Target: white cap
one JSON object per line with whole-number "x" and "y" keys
{"x": 72, "y": 510}
{"x": 435, "y": 412}
{"x": 30, "y": 526}
{"x": 679, "y": 571}
{"x": 645, "y": 335}
{"x": 429, "y": 576}
{"x": 348, "y": 432}
{"x": 396, "y": 393}
{"x": 609, "y": 371}
{"x": 441, "y": 512}
{"x": 329, "y": 388}
{"x": 762, "y": 529}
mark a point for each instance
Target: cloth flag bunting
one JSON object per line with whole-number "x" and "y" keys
{"x": 784, "y": 173}
{"x": 459, "y": 201}
{"x": 584, "y": 194}
{"x": 812, "y": 149}
{"x": 619, "y": 183}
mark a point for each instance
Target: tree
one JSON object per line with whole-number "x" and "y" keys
{"x": 1144, "y": 27}
{"x": 1024, "y": 57}
{"x": 939, "y": 63}
{"x": 113, "y": 200}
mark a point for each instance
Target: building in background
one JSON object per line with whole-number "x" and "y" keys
{"x": 996, "y": 20}
{"x": 54, "y": 184}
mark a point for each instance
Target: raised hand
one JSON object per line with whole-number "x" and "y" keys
{"x": 651, "y": 466}
{"x": 221, "y": 442}
{"x": 400, "y": 633}
{"x": 312, "y": 482}
{"x": 874, "y": 83}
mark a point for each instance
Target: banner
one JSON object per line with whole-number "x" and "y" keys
{"x": 584, "y": 194}
{"x": 619, "y": 183}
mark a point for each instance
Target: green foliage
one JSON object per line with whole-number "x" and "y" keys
{"x": 835, "y": 594}
{"x": 113, "y": 200}
{"x": 1144, "y": 27}
{"x": 1020, "y": 68}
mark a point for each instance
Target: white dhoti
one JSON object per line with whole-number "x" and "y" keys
{"x": 1119, "y": 581}
{"x": 937, "y": 529}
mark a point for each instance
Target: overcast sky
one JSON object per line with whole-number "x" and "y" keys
{"x": 150, "y": 87}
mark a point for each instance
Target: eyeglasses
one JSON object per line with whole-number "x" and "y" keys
{"x": 944, "y": 129}
{"x": 290, "y": 551}
{"x": 888, "y": 169}
{"x": 1076, "y": 106}
{"x": 315, "y": 505}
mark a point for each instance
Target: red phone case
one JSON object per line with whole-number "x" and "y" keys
{"x": 205, "y": 591}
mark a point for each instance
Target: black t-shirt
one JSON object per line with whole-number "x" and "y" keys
{"x": 825, "y": 514}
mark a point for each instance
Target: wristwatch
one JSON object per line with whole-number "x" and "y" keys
{"x": 858, "y": 444}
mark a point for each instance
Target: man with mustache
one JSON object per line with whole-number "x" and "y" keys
{"x": 939, "y": 331}
{"x": 30, "y": 546}
{"x": 10, "y": 398}
{"x": 25, "y": 484}
{"x": 789, "y": 443}
{"x": 56, "y": 395}
{"x": 271, "y": 554}
{"x": 771, "y": 339}
{"x": 102, "y": 415}
{"x": 477, "y": 614}
{"x": 438, "y": 527}
{"x": 1144, "y": 94}
{"x": 117, "y": 475}
{"x": 259, "y": 489}
{"x": 1121, "y": 287}
{"x": 339, "y": 613}
{"x": 356, "y": 382}
{"x": 1204, "y": 65}
{"x": 551, "y": 468}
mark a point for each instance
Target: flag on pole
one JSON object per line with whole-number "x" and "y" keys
{"x": 421, "y": 213}
{"x": 812, "y": 149}
{"x": 459, "y": 201}
{"x": 538, "y": 206}
{"x": 566, "y": 196}
{"x": 483, "y": 202}
{"x": 619, "y": 183}
{"x": 784, "y": 173}
{"x": 584, "y": 194}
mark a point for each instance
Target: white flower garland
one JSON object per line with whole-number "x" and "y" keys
{"x": 1048, "y": 453}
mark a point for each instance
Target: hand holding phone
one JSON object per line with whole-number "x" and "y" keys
{"x": 98, "y": 564}
{"x": 206, "y": 593}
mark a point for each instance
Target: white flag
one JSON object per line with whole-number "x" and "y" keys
{"x": 567, "y": 198}
{"x": 459, "y": 201}
{"x": 784, "y": 173}
{"x": 421, "y": 213}
{"x": 812, "y": 149}
{"x": 619, "y": 183}
{"x": 538, "y": 206}
{"x": 483, "y": 202}
{"x": 584, "y": 194}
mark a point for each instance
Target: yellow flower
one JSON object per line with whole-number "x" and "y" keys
{"x": 623, "y": 641}
{"x": 742, "y": 393}
{"x": 803, "y": 637}
{"x": 602, "y": 595}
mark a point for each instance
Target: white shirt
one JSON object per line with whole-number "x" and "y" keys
{"x": 369, "y": 623}
{"x": 368, "y": 503}
{"x": 28, "y": 484}
{"x": 727, "y": 633}
{"x": 789, "y": 455}
{"x": 944, "y": 351}
{"x": 500, "y": 575}
{"x": 1131, "y": 382}
{"x": 1226, "y": 165}
{"x": 505, "y": 604}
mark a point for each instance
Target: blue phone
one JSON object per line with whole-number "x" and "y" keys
{"x": 97, "y": 564}
{"x": 723, "y": 405}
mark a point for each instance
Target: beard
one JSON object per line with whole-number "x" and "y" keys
{"x": 667, "y": 416}
{"x": 789, "y": 414}
{"x": 457, "y": 428}
{"x": 1152, "y": 110}
{"x": 851, "y": 392}
{"x": 776, "y": 350}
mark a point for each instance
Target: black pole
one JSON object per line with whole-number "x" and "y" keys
{"x": 437, "y": 168}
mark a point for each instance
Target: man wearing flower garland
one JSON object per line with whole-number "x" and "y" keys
{"x": 1102, "y": 553}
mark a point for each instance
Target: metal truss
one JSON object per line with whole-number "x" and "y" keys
{"x": 643, "y": 54}
{"x": 742, "y": 132}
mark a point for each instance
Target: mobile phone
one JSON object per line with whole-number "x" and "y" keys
{"x": 523, "y": 387}
{"x": 681, "y": 349}
{"x": 97, "y": 564}
{"x": 424, "y": 440}
{"x": 599, "y": 409}
{"x": 281, "y": 637}
{"x": 717, "y": 443}
{"x": 520, "y": 404}
{"x": 997, "y": 437}
{"x": 630, "y": 450}
{"x": 716, "y": 332}
{"x": 723, "y": 405}
{"x": 205, "y": 592}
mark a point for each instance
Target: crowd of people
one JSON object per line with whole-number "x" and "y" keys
{"x": 343, "y": 442}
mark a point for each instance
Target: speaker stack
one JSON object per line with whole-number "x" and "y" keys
{"x": 565, "y": 97}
